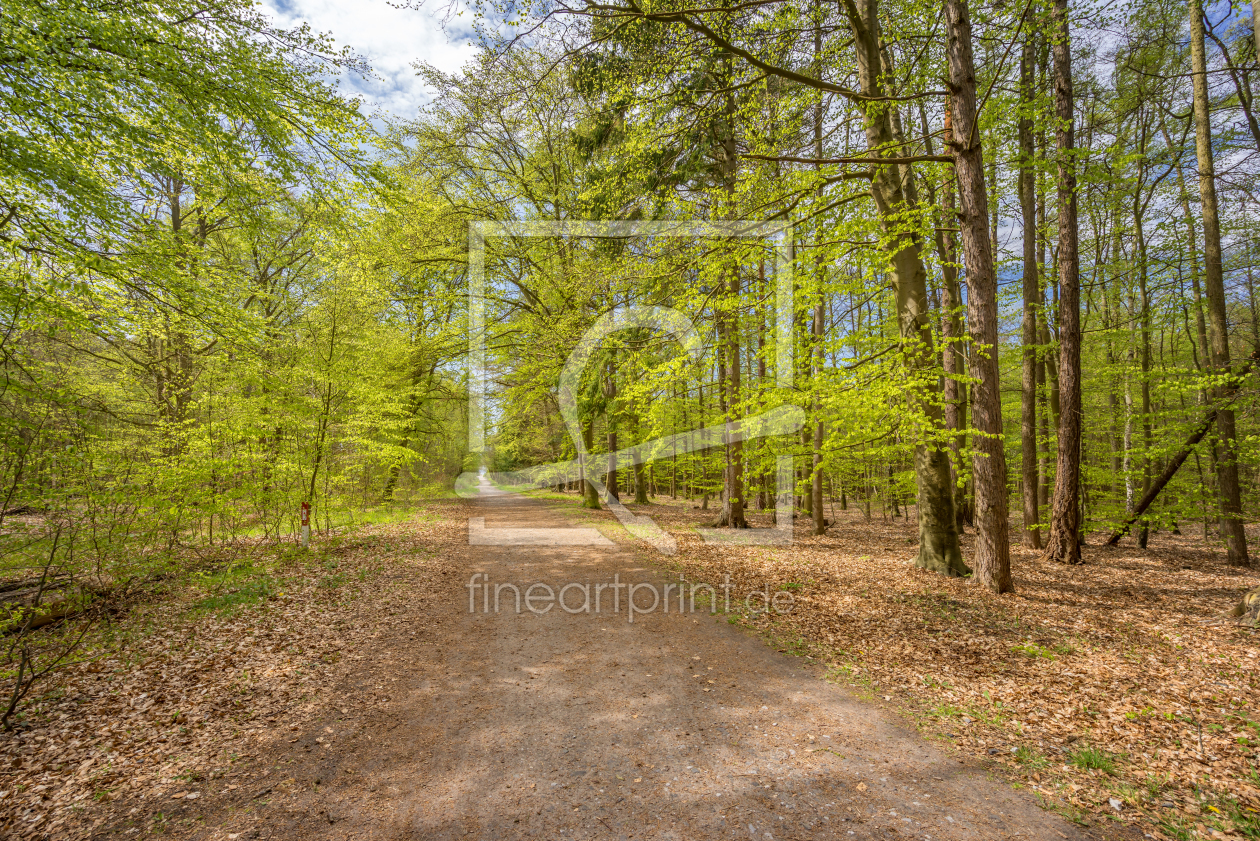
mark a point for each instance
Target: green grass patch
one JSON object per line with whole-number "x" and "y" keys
{"x": 1092, "y": 759}
{"x": 250, "y": 593}
{"x": 1031, "y": 759}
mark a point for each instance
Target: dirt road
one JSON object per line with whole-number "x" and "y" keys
{"x": 584, "y": 725}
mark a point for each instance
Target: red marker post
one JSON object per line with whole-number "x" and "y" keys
{"x": 306, "y": 525}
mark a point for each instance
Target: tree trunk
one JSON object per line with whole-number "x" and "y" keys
{"x": 764, "y": 497}
{"x": 590, "y": 497}
{"x": 1255, "y": 26}
{"x": 1064, "y": 544}
{"x": 1047, "y": 371}
{"x": 1214, "y": 283}
{"x": 816, "y": 489}
{"x": 953, "y": 361}
{"x": 610, "y": 395}
{"x": 819, "y": 522}
{"x": 1032, "y": 295}
{"x": 728, "y": 347}
{"x": 1144, "y": 301}
{"x": 938, "y": 532}
{"x": 993, "y": 562}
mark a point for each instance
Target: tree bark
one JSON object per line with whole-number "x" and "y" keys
{"x": 590, "y": 497}
{"x": 734, "y": 505}
{"x": 938, "y": 532}
{"x": 1047, "y": 373}
{"x": 610, "y": 395}
{"x": 1214, "y": 283}
{"x": 1032, "y": 295}
{"x": 1144, "y": 300}
{"x": 993, "y": 562}
{"x": 954, "y": 360}
{"x": 640, "y": 484}
{"x": 1255, "y": 26}
{"x": 816, "y": 490}
{"x": 1064, "y": 542}
{"x": 728, "y": 347}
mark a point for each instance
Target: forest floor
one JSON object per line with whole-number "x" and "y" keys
{"x": 351, "y": 693}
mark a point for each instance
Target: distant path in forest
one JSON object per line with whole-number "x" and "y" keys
{"x": 560, "y": 725}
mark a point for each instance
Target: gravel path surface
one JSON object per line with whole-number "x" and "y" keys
{"x": 590, "y": 726}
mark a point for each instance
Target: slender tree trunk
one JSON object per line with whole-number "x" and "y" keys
{"x": 1202, "y": 353}
{"x": 763, "y": 493}
{"x": 993, "y": 562}
{"x": 1251, "y": 298}
{"x": 735, "y": 467}
{"x": 610, "y": 394}
{"x": 816, "y": 490}
{"x": 1113, "y": 393}
{"x": 1048, "y": 375}
{"x": 728, "y": 346}
{"x": 955, "y": 392}
{"x": 1214, "y": 281}
{"x": 1144, "y": 301}
{"x": 1063, "y": 543}
{"x": 1032, "y": 292}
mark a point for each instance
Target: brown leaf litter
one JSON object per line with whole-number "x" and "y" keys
{"x": 190, "y": 693}
{"x": 1111, "y": 664}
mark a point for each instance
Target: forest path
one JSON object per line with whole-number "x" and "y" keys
{"x": 589, "y": 726}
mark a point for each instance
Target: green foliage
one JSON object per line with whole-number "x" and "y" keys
{"x": 97, "y": 95}
{"x": 192, "y": 340}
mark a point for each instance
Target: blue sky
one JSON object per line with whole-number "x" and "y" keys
{"x": 390, "y": 38}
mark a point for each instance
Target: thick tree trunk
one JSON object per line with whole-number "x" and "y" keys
{"x": 1064, "y": 542}
{"x": 1214, "y": 283}
{"x": 640, "y": 484}
{"x": 1032, "y": 296}
{"x": 938, "y": 532}
{"x": 590, "y": 497}
{"x": 993, "y": 562}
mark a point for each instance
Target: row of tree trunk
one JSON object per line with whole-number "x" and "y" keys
{"x": 893, "y": 189}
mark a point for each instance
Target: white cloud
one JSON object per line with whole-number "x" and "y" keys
{"x": 391, "y": 39}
